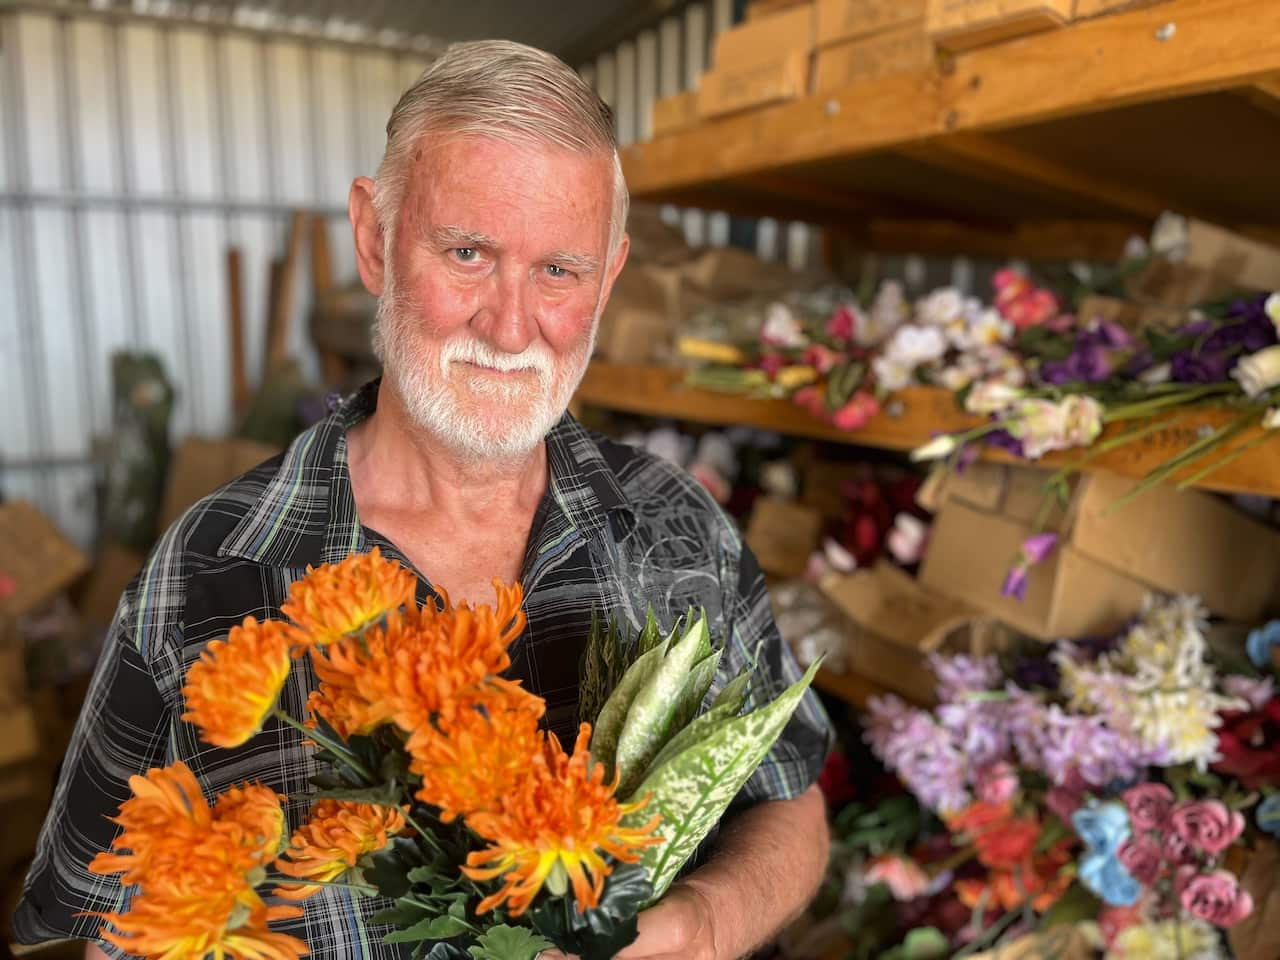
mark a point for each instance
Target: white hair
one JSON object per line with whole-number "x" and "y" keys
{"x": 507, "y": 91}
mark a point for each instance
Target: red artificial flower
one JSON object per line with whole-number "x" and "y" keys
{"x": 1249, "y": 742}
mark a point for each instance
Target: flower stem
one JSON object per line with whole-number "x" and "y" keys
{"x": 337, "y": 748}
{"x": 1144, "y": 408}
{"x": 1228, "y": 458}
{"x": 366, "y": 889}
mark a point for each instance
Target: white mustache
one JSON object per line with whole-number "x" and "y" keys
{"x": 535, "y": 358}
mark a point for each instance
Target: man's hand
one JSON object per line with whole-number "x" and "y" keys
{"x": 678, "y": 927}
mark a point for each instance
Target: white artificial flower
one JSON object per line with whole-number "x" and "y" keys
{"x": 1272, "y": 308}
{"x": 992, "y": 396}
{"x": 990, "y": 329}
{"x": 781, "y": 328}
{"x": 1169, "y": 237}
{"x": 1258, "y": 372}
{"x": 941, "y": 307}
{"x": 959, "y": 375}
{"x": 915, "y": 346}
{"x": 940, "y": 446}
{"x": 888, "y": 311}
{"x": 1160, "y": 373}
{"x": 1271, "y": 419}
{"x": 891, "y": 373}
{"x": 906, "y": 540}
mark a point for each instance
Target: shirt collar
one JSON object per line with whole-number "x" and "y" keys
{"x": 306, "y": 512}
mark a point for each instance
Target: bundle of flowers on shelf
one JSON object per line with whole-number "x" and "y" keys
{"x": 1119, "y": 776}
{"x": 439, "y": 790}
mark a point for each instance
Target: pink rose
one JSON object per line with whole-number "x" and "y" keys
{"x": 843, "y": 324}
{"x": 821, "y": 358}
{"x": 1141, "y": 857}
{"x": 904, "y": 878}
{"x": 1215, "y": 897}
{"x": 1149, "y": 805}
{"x": 1177, "y": 851}
{"x": 812, "y": 399}
{"x": 997, "y": 783}
{"x": 855, "y": 414}
{"x": 1207, "y": 825}
{"x": 771, "y": 363}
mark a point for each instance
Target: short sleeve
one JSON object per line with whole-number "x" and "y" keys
{"x": 798, "y": 755}
{"x": 121, "y": 732}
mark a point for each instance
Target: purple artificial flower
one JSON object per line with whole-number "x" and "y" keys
{"x": 977, "y": 728}
{"x": 1015, "y": 582}
{"x": 960, "y": 675}
{"x": 1004, "y": 440}
{"x": 1031, "y": 672}
{"x": 1199, "y": 367}
{"x": 1036, "y": 548}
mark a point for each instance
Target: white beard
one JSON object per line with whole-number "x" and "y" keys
{"x": 506, "y": 419}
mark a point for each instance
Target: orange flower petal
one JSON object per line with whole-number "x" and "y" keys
{"x": 340, "y": 599}
{"x": 234, "y": 685}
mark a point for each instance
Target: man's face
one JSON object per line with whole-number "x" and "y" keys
{"x": 494, "y": 278}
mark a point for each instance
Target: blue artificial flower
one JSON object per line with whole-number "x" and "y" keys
{"x": 1268, "y": 815}
{"x": 1260, "y": 643}
{"x": 1103, "y": 827}
{"x": 1107, "y": 877}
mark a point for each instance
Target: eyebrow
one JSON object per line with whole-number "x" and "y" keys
{"x": 451, "y": 236}
{"x": 576, "y": 262}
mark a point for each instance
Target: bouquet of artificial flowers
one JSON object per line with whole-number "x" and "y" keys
{"x": 440, "y": 791}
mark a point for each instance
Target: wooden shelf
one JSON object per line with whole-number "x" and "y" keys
{"x": 1103, "y": 124}
{"x": 910, "y": 418}
{"x": 849, "y": 687}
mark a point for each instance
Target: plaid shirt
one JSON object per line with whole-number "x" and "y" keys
{"x": 617, "y": 531}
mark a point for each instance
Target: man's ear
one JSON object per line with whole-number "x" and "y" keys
{"x": 368, "y": 235}
{"x": 614, "y": 268}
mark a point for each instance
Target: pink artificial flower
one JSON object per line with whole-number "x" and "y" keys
{"x": 1066, "y": 798}
{"x": 1177, "y": 852}
{"x": 906, "y": 540}
{"x": 857, "y": 413}
{"x": 771, "y": 363}
{"x": 997, "y": 783}
{"x": 1215, "y": 897}
{"x": 1207, "y": 825}
{"x": 1256, "y": 693}
{"x": 821, "y": 358}
{"x": 844, "y": 323}
{"x": 1141, "y": 857}
{"x": 1149, "y": 805}
{"x": 812, "y": 399}
{"x": 712, "y": 481}
{"x": 904, "y": 878}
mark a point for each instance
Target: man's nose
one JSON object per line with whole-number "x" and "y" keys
{"x": 506, "y": 319}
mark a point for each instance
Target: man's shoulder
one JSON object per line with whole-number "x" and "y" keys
{"x": 656, "y": 487}
{"x": 204, "y": 526}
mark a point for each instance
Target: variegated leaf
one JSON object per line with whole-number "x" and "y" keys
{"x": 735, "y": 691}
{"x": 701, "y": 728}
{"x": 613, "y": 715}
{"x": 693, "y": 788}
{"x": 650, "y": 716}
{"x": 694, "y": 691}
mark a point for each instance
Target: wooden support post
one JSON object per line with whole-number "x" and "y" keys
{"x": 235, "y": 321}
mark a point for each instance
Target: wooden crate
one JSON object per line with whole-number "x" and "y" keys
{"x": 785, "y": 77}
{"x": 902, "y": 50}
{"x": 767, "y": 8}
{"x": 765, "y": 40}
{"x": 964, "y": 24}
{"x": 841, "y": 20}
{"x": 675, "y": 112}
{"x": 1099, "y": 8}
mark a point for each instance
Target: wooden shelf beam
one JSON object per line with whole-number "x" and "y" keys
{"x": 1029, "y": 239}
{"x": 910, "y": 418}
{"x": 1090, "y": 66}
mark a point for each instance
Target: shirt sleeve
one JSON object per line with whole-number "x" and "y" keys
{"x": 796, "y": 758}
{"x": 121, "y": 732}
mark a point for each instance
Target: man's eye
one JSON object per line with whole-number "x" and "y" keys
{"x": 466, "y": 254}
{"x": 557, "y": 271}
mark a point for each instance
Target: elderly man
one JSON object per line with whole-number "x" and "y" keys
{"x": 492, "y": 236}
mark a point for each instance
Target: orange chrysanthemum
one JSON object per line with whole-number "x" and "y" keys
{"x": 196, "y": 867}
{"x": 234, "y": 685}
{"x": 470, "y": 761}
{"x": 339, "y": 599}
{"x": 555, "y": 824}
{"x": 417, "y": 667}
{"x": 334, "y": 838}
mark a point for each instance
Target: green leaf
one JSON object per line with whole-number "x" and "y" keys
{"x": 401, "y": 915}
{"x": 693, "y": 788}
{"x": 650, "y": 636}
{"x": 735, "y": 691}
{"x": 509, "y": 943}
{"x": 384, "y": 795}
{"x": 695, "y": 690}
{"x": 599, "y": 933}
{"x": 437, "y": 928}
{"x": 701, "y": 728}
{"x": 389, "y": 868}
{"x": 649, "y": 719}
{"x": 442, "y": 951}
{"x": 608, "y": 726}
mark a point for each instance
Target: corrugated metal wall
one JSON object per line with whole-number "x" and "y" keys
{"x": 134, "y": 153}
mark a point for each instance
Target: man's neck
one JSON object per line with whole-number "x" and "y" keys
{"x": 396, "y": 466}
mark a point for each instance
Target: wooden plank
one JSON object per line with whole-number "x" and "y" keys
{"x": 988, "y": 157}
{"x": 282, "y": 299}
{"x": 1265, "y": 94}
{"x": 1089, "y": 66}
{"x": 852, "y": 688}
{"x": 910, "y": 418}
{"x": 235, "y": 322}
{"x": 1102, "y": 240}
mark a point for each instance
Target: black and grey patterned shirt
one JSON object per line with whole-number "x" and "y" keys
{"x": 617, "y": 531}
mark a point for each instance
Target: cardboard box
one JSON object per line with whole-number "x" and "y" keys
{"x": 903, "y": 50}
{"x": 1209, "y": 262}
{"x": 782, "y": 534}
{"x": 965, "y": 24}
{"x": 36, "y": 561}
{"x": 18, "y": 738}
{"x": 1098, "y": 8}
{"x": 900, "y": 623}
{"x": 1189, "y": 542}
{"x": 113, "y": 567}
{"x": 783, "y": 78}
{"x": 763, "y": 41}
{"x": 675, "y": 112}
{"x": 202, "y": 465}
{"x": 840, "y": 20}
